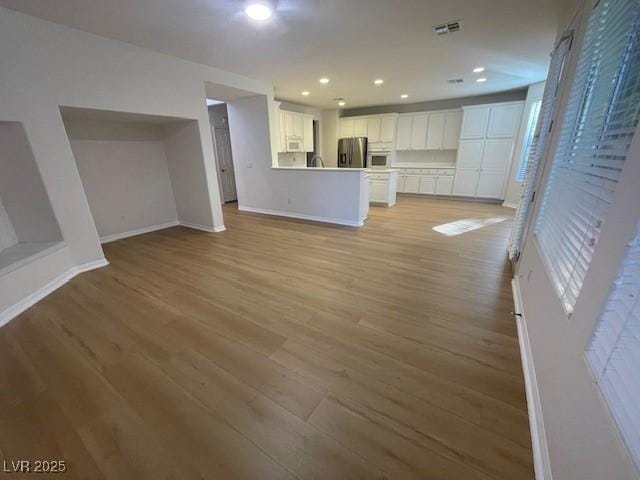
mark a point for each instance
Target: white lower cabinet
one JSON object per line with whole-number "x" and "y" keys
{"x": 412, "y": 184}
{"x": 444, "y": 185}
{"x": 428, "y": 184}
{"x": 383, "y": 187}
{"x": 427, "y": 181}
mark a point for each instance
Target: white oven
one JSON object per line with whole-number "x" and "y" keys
{"x": 379, "y": 156}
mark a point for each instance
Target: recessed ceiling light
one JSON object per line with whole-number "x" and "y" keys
{"x": 342, "y": 103}
{"x": 258, "y": 11}
{"x": 324, "y": 80}
{"x": 404, "y": 95}
{"x": 306, "y": 94}
{"x": 378, "y": 81}
{"x": 481, "y": 79}
{"x": 478, "y": 70}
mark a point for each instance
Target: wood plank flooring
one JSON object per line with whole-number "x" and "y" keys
{"x": 278, "y": 349}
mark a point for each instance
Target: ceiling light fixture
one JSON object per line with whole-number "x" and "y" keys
{"x": 324, "y": 80}
{"x": 306, "y": 93}
{"x": 478, "y": 70}
{"x": 481, "y": 79}
{"x": 404, "y": 95}
{"x": 378, "y": 81}
{"x": 342, "y": 103}
{"x": 258, "y": 11}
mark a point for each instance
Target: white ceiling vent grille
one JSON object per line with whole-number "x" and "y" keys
{"x": 449, "y": 27}
{"x": 455, "y": 80}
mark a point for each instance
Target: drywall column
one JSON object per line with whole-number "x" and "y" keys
{"x": 329, "y": 145}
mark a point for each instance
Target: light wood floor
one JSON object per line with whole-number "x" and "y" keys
{"x": 278, "y": 349}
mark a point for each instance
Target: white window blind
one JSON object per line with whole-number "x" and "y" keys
{"x": 539, "y": 144}
{"x": 597, "y": 128}
{"x": 614, "y": 351}
{"x": 528, "y": 140}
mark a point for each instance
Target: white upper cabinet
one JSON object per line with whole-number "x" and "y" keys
{"x": 346, "y": 127}
{"x": 360, "y": 127}
{"x": 429, "y": 131}
{"x": 403, "y": 138}
{"x": 419, "y": 131}
{"x": 296, "y": 132}
{"x": 474, "y": 122}
{"x": 435, "y": 131}
{"x": 298, "y": 126}
{"x": 288, "y": 123}
{"x": 504, "y": 121}
{"x": 387, "y": 128}
{"x": 373, "y": 129}
{"x": 452, "y": 125}
{"x": 378, "y": 128}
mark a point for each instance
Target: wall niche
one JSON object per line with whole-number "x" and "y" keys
{"x": 28, "y": 226}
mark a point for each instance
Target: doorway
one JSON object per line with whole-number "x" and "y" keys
{"x": 222, "y": 146}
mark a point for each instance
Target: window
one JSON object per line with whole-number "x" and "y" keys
{"x": 528, "y": 140}
{"x": 598, "y": 125}
{"x": 614, "y": 351}
{"x": 536, "y": 149}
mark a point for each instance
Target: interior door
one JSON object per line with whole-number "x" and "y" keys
{"x": 225, "y": 165}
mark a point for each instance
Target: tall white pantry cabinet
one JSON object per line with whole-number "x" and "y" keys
{"x": 487, "y": 139}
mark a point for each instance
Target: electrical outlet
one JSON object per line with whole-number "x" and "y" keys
{"x": 249, "y": 164}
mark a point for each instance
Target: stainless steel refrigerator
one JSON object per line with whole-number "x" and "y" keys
{"x": 352, "y": 152}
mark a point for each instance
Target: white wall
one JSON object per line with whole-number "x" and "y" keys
{"x": 320, "y": 194}
{"x": 8, "y": 235}
{"x": 44, "y": 66}
{"x": 583, "y": 442}
{"x": 514, "y": 188}
{"x": 124, "y": 172}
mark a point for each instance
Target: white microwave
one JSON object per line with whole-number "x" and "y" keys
{"x": 379, "y": 158}
{"x": 295, "y": 144}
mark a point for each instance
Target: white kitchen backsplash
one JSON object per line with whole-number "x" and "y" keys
{"x": 7, "y": 233}
{"x": 298, "y": 159}
{"x": 421, "y": 157}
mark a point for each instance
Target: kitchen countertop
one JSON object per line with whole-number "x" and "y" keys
{"x": 424, "y": 165}
{"x": 321, "y": 169}
{"x": 381, "y": 170}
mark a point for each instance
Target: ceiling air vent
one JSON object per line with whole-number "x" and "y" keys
{"x": 448, "y": 27}
{"x": 455, "y": 80}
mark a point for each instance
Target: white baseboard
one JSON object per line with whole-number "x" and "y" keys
{"x": 302, "y": 216}
{"x": 17, "y": 308}
{"x": 510, "y": 205}
{"x": 137, "y": 231}
{"x": 541, "y": 462}
{"x": 204, "y": 228}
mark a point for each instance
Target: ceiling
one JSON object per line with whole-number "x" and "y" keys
{"x": 352, "y": 42}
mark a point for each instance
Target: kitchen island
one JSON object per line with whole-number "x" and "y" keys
{"x": 383, "y": 185}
